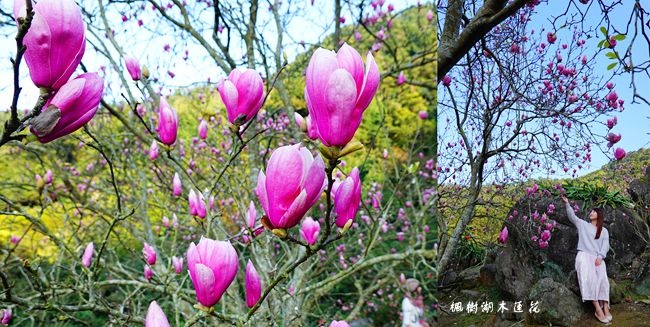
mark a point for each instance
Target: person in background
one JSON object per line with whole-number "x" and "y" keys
{"x": 593, "y": 245}
{"x": 413, "y": 305}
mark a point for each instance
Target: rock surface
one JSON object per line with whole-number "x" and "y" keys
{"x": 558, "y": 305}
{"x": 522, "y": 262}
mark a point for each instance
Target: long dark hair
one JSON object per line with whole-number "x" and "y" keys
{"x": 600, "y": 218}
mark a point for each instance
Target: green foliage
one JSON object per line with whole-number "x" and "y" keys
{"x": 595, "y": 195}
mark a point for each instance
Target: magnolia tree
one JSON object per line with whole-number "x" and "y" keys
{"x": 137, "y": 199}
{"x": 520, "y": 97}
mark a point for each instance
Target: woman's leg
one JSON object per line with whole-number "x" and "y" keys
{"x": 606, "y": 308}
{"x": 603, "y": 290}
{"x": 599, "y": 311}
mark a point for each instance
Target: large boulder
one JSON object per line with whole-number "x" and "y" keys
{"x": 558, "y": 305}
{"x": 522, "y": 262}
{"x": 514, "y": 275}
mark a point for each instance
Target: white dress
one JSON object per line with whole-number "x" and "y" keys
{"x": 411, "y": 315}
{"x": 592, "y": 279}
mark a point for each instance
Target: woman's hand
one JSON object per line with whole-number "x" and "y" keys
{"x": 598, "y": 261}
{"x": 564, "y": 198}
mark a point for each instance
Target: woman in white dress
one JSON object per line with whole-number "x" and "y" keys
{"x": 593, "y": 245}
{"x": 413, "y": 306}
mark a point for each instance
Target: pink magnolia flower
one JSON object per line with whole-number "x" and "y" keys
{"x": 48, "y": 177}
{"x": 153, "y": 150}
{"x": 70, "y": 108}
{"x": 55, "y": 42}
{"x": 177, "y": 186}
{"x": 347, "y": 198}
{"x": 87, "y": 257}
{"x": 514, "y": 48}
{"x": 167, "y": 123}
{"x": 503, "y": 236}
{"x": 423, "y": 114}
{"x": 6, "y": 316}
{"x": 148, "y": 273}
{"x": 611, "y": 122}
{"x": 192, "y": 200}
{"x": 619, "y": 153}
{"x": 252, "y": 216}
{"x": 446, "y": 80}
{"x": 430, "y": 15}
{"x": 243, "y": 94}
{"x": 551, "y": 37}
{"x": 14, "y": 239}
{"x": 309, "y": 230}
{"x": 339, "y": 323}
{"x": 203, "y": 129}
{"x": 149, "y": 254}
{"x": 253, "y": 285}
{"x": 197, "y": 204}
{"x": 155, "y": 316}
{"x": 401, "y": 78}
{"x": 212, "y": 267}
{"x": 338, "y": 91}
{"x": 612, "y": 42}
{"x": 306, "y": 126}
{"x": 611, "y": 96}
{"x": 542, "y": 244}
{"x": 546, "y": 235}
{"x": 133, "y": 67}
{"x": 177, "y": 262}
{"x": 612, "y": 139}
{"x": 293, "y": 182}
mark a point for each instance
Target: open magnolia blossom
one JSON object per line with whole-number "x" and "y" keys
{"x": 72, "y": 106}
{"x": 55, "y": 42}
{"x": 243, "y": 94}
{"x": 212, "y": 267}
{"x": 338, "y": 90}
{"x": 293, "y": 182}
{"x": 167, "y": 123}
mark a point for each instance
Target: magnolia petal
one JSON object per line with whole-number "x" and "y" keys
{"x": 283, "y": 180}
{"x": 230, "y": 98}
{"x": 370, "y": 84}
{"x": 250, "y": 89}
{"x": 260, "y": 191}
{"x": 349, "y": 59}
{"x": 293, "y": 215}
{"x": 340, "y": 99}
{"x": 204, "y": 284}
{"x": 155, "y": 316}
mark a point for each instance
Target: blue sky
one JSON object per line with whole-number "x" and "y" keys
{"x": 633, "y": 122}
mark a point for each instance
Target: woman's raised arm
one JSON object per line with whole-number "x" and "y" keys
{"x": 569, "y": 211}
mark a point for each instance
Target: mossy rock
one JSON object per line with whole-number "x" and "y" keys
{"x": 643, "y": 288}
{"x": 616, "y": 291}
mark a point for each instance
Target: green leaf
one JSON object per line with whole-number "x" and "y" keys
{"x": 619, "y": 37}
{"x": 600, "y": 44}
{"x": 612, "y": 65}
{"x": 603, "y": 30}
